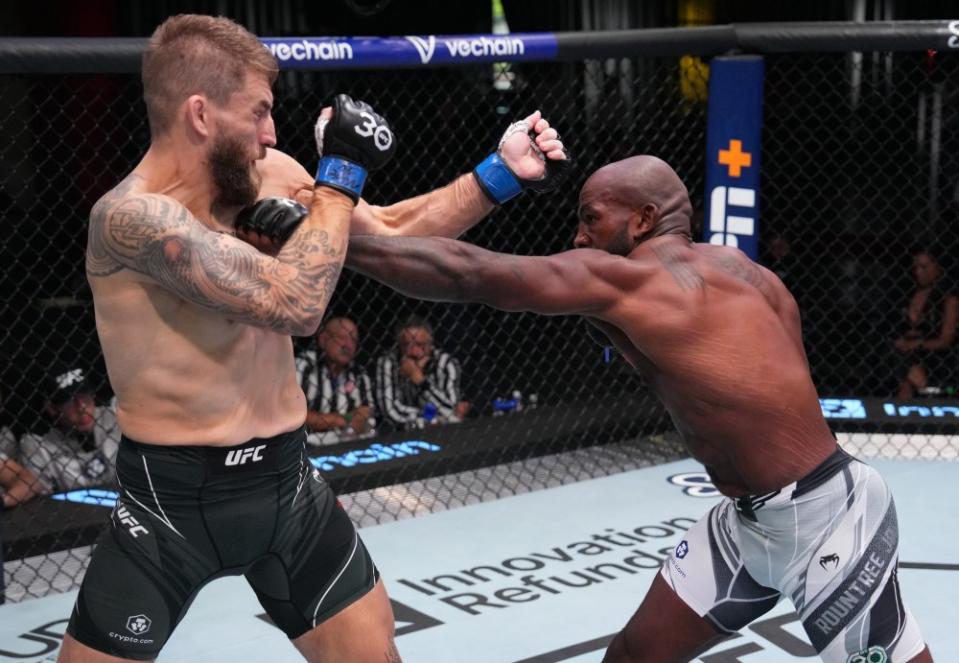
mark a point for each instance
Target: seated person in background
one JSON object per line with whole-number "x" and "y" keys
{"x": 931, "y": 315}
{"x": 417, "y": 382}
{"x": 338, "y": 393}
{"x": 80, "y": 447}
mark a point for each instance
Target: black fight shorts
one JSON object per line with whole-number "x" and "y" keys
{"x": 188, "y": 515}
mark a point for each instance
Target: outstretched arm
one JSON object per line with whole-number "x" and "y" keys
{"x": 438, "y": 269}
{"x": 448, "y": 211}
{"x": 445, "y": 212}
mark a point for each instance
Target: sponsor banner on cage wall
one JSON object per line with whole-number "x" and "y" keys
{"x": 409, "y": 51}
{"x": 884, "y": 410}
{"x": 733, "y": 132}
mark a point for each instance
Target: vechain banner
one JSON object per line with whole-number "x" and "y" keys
{"x": 412, "y": 51}
{"x": 733, "y": 130}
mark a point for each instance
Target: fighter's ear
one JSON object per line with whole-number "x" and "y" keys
{"x": 643, "y": 221}
{"x": 197, "y": 111}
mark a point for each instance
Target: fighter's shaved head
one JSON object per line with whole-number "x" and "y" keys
{"x": 640, "y": 181}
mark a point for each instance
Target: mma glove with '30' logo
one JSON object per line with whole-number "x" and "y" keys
{"x": 351, "y": 143}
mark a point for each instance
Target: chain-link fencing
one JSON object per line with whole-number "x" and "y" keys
{"x": 860, "y": 166}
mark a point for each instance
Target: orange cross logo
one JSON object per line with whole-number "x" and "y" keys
{"x": 735, "y": 158}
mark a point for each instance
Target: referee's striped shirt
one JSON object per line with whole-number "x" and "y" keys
{"x": 328, "y": 393}
{"x": 401, "y": 402}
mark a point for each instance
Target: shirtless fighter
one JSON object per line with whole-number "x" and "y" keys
{"x": 195, "y": 327}
{"x": 718, "y": 338}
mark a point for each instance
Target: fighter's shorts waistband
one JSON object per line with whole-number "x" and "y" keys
{"x": 832, "y": 465}
{"x": 823, "y": 472}
{"x": 260, "y": 452}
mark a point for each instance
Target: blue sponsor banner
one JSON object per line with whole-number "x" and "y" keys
{"x": 879, "y": 410}
{"x": 94, "y": 496}
{"x": 733, "y": 132}
{"x": 375, "y": 453}
{"x": 842, "y": 408}
{"x": 411, "y": 51}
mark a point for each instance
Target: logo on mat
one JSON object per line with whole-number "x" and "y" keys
{"x": 695, "y": 484}
{"x": 138, "y": 624}
{"x": 874, "y": 654}
{"x": 682, "y": 549}
{"x": 424, "y": 47}
{"x": 240, "y": 456}
{"x": 826, "y": 560}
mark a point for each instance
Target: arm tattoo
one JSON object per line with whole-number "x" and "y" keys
{"x": 156, "y": 236}
{"x": 99, "y": 261}
{"x": 686, "y": 276}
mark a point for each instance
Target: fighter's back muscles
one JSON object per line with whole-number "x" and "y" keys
{"x": 735, "y": 263}
{"x": 155, "y": 235}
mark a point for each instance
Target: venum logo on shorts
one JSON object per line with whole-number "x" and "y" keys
{"x": 241, "y": 456}
{"x": 826, "y": 560}
{"x": 874, "y": 654}
{"x": 138, "y": 624}
{"x": 682, "y": 549}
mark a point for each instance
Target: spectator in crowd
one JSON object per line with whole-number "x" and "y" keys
{"x": 929, "y": 328}
{"x": 79, "y": 449}
{"x": 339, "y": 395}
{"x": 417, "y": 382}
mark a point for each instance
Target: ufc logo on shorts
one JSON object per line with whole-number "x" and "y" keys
{"x": 382, "y": 137}
{"x": 132, "y": 524}
{"x": 241, "y": 456}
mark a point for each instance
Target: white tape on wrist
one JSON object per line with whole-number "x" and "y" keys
{"x": 517, "y": 127}
{"x": 318, "y": 131}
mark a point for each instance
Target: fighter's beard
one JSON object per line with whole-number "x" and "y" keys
{"x": 234, "y": 176}
{"x": 621, "y": 244}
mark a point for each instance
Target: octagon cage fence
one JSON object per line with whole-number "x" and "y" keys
{"x": 859, "y": 180}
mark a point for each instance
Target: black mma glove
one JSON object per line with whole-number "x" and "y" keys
{"x": 355, "y": 140}
{"x": 500, "y": 183}
{"x": 271, "y": 219}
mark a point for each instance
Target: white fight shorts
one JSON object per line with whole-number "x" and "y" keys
{"x": 829, "y": 542}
